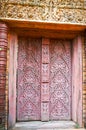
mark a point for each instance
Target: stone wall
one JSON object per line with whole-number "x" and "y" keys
{"x": 65, "y": 11}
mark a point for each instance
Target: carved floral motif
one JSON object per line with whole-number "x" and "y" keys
{"x": 45, "y": 10}
{"x": 28, "y": 85}
{"x": 60, "y": 80}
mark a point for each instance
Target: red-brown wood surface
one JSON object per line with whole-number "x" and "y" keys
{"x": 44, "y": 80}
{"x": 12, "y": 67}
{"x": 77, "y": 80}
{"x": 28, "y": 85}
{"x": 60, "y": 80}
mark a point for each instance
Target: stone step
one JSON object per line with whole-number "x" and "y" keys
{"x": 51, "y": 125}
{"x": 45, "y": 129}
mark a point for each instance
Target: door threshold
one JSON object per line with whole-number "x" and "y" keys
{"x": 51, "y": 125}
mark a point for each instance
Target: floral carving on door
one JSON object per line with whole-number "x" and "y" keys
{"x": 60, "y": 80}
{"x": 44, "y": 80}
{"x": 28, "y": 84}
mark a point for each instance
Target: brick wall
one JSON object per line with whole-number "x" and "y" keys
{"x": 3, "y": 62}
{"x": 84, "y": 80}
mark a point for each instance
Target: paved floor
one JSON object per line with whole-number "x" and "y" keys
{"x": 51, "y": 125}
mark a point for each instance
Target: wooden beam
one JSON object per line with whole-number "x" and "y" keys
{"x": 43, "y": 25}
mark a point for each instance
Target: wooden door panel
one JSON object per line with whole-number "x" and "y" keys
{"x": 60, "y": 80}
{"x": 44, "y": 80}
{"x": 28, "y": 84}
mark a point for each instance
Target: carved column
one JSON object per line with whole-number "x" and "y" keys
{"x": 3, "y": 62}
{"x": 45, "y": 81}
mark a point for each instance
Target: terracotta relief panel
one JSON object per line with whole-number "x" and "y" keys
{"x": 28, "y": 84}
{"x": 60, "y": 80}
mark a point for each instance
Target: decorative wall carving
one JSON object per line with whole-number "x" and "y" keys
{"x": 60, "y": 80}
{"x": 73, "y": 11}
{"x": 61, "y": 3}
{"x": 28, "y": 85}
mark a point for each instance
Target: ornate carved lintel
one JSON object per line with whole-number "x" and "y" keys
{"x": 51, "y": 11}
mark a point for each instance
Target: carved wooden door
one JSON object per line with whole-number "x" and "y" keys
{"x": 28, "y": 84}
{"x": 60, "y": 80}
{"x": 44, "y": 80}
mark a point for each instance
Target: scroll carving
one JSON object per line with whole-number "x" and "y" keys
{"x": 56, "y": 11}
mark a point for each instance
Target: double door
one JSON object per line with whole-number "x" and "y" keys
{"x": 44, "y": 79}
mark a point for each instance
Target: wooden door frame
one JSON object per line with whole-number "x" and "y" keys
{"x": 76, "y": 82}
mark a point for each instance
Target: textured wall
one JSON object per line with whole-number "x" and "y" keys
{"x": 66, "y": 11}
